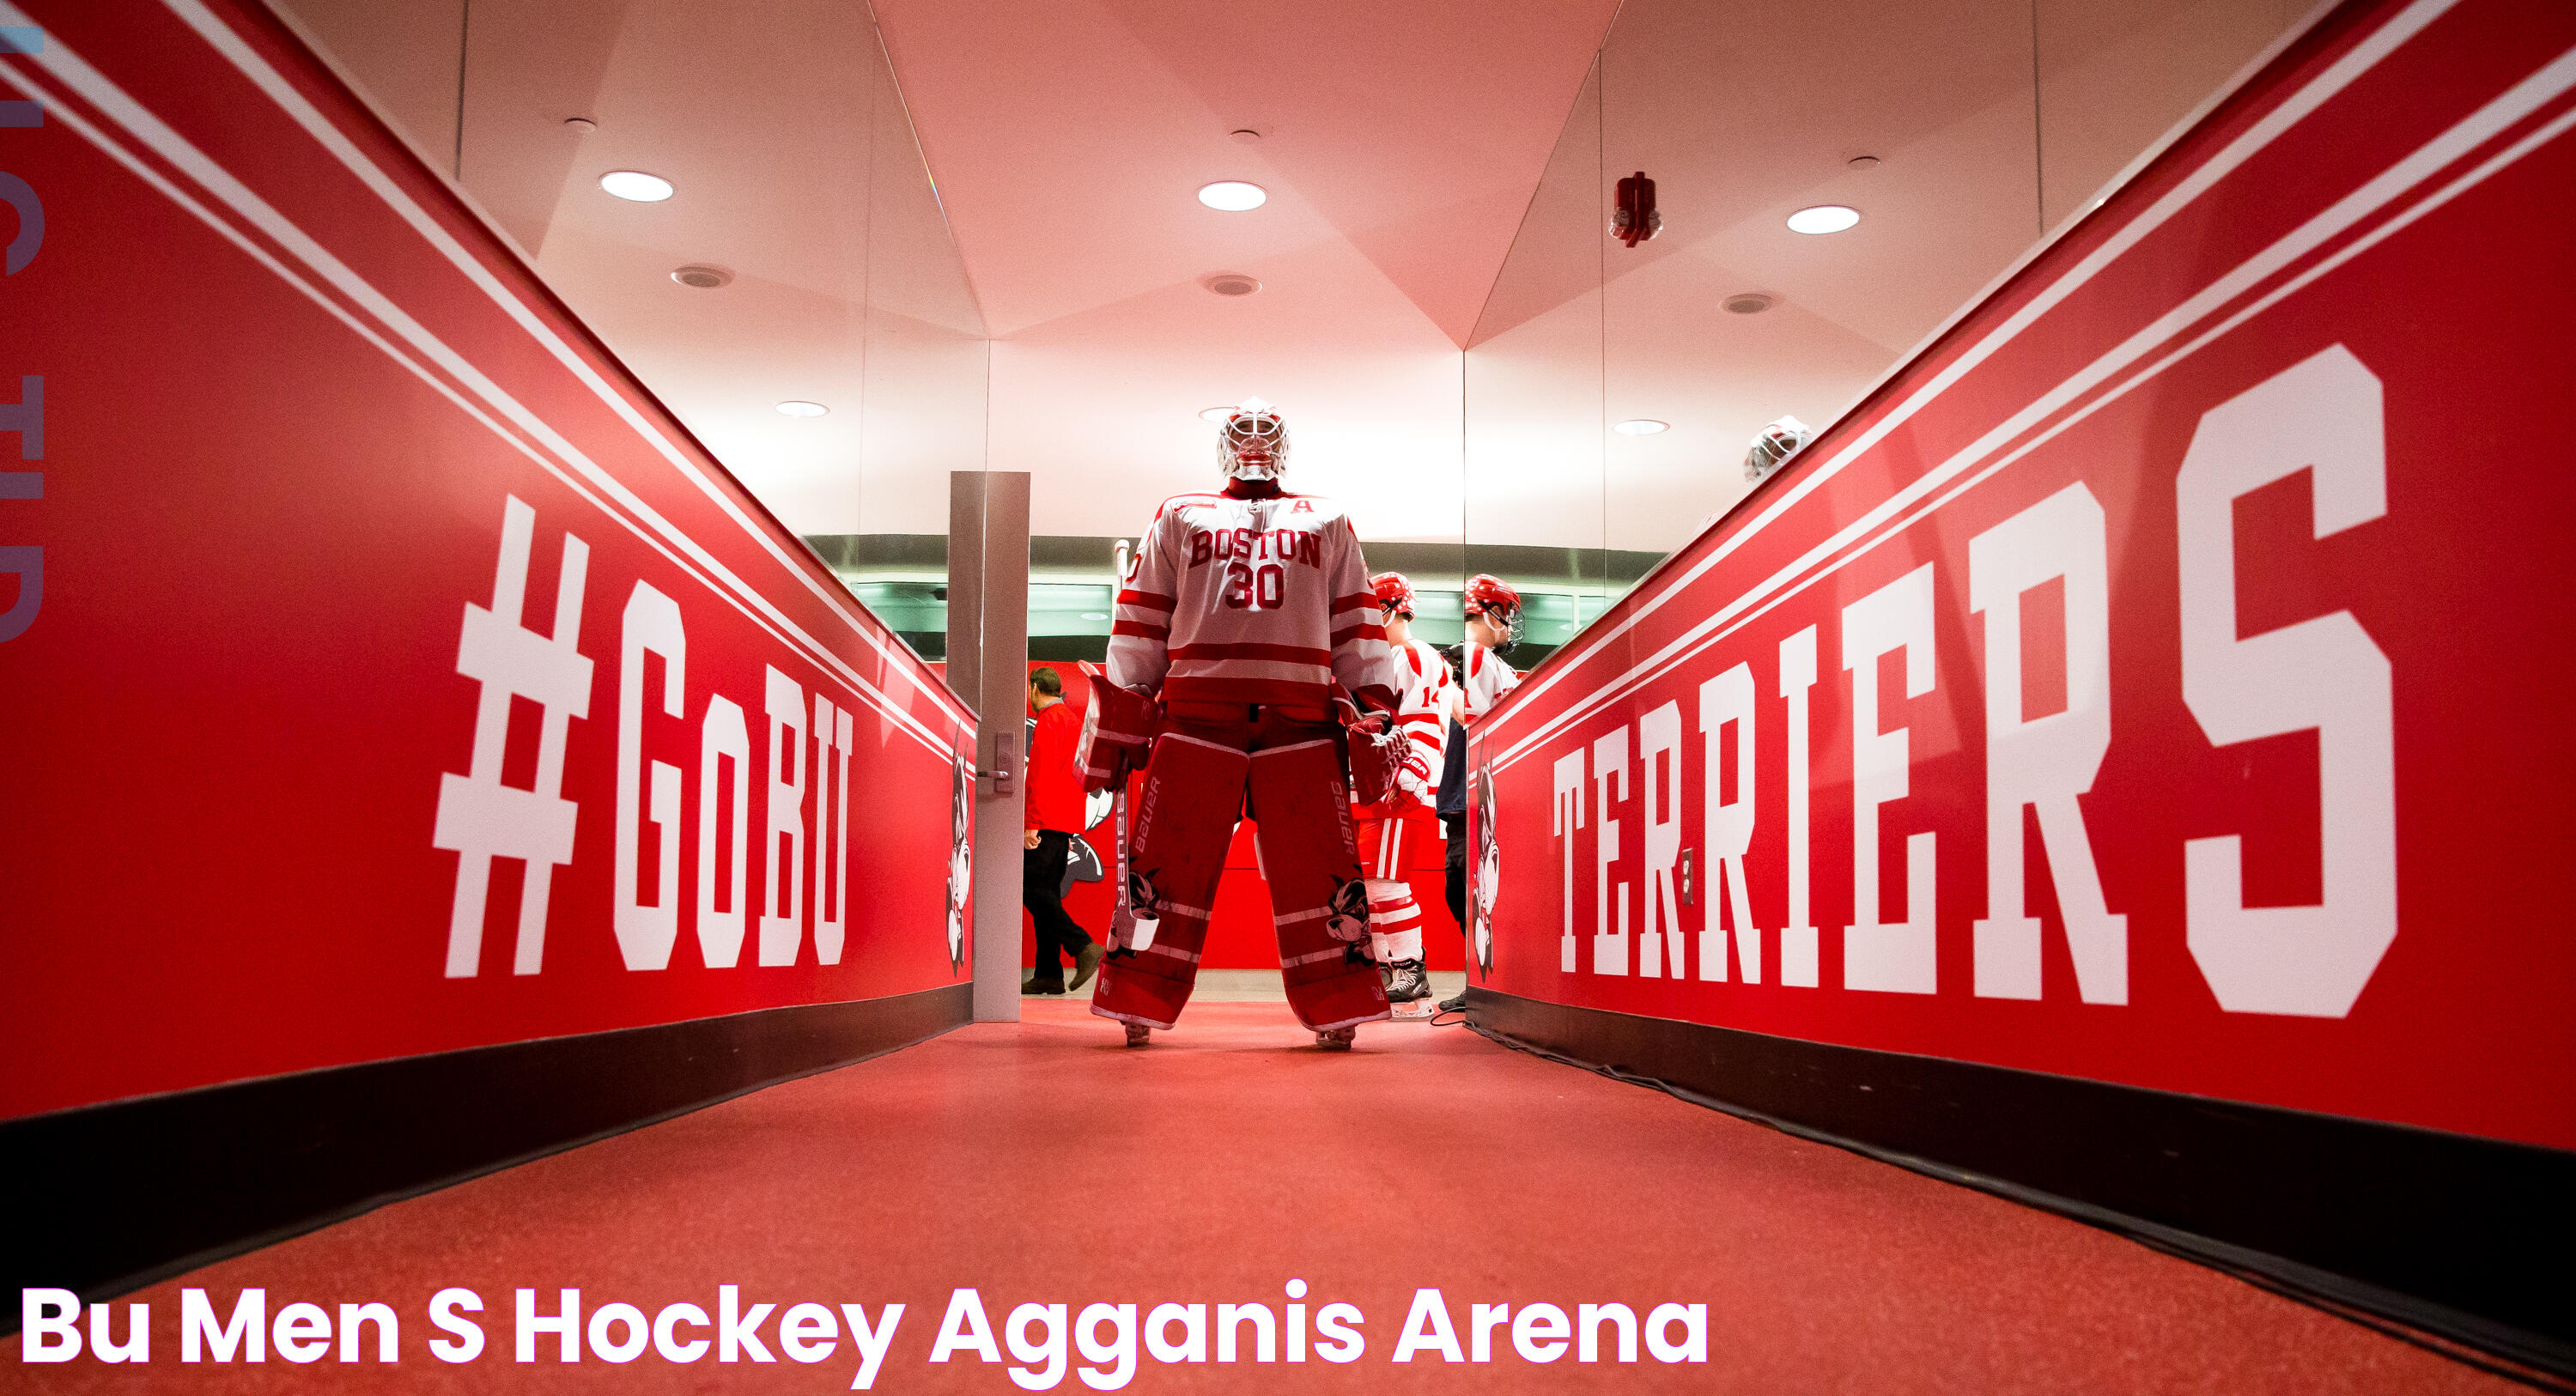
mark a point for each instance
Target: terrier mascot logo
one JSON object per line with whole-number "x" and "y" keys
{"x": 1489, "y": 873}
{"x": 961, "y": 860}
{"x": 1144, "y": 903}
{"x": 1346, "y": 918}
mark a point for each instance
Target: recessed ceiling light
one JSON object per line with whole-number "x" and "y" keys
{"x": 1233, "y": 195}
{"x": 1823, "y": 218}
{"x": 1232, "y": 283}
{"x": 1749, "y": 303}
{"x": 701, "y": 277}
{"x": 580, "y": 125}
{"x": 1245, "y": 136}
{"x": 1641, "y": 426}
{"x": 794, "y": 408}
{"x": 1863, "y": 162}
{"x": 636, "y": 185}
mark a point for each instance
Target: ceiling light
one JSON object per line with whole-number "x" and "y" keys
{"x": 1863, "y": 162}
{"x": 1232, "y": 283}
{"x": 1641, "y": 426}
{"x": 794, "y": 408}
{"x": 1245, "y": 136}
{"x": 580, "y": 125}
{"x": 1823, "y": 218}
{"x": 1233, "y": 195}
{"x": 1749, "y": 303}
{"x": 699, "y": 276}
{"x": 636, "y": 185}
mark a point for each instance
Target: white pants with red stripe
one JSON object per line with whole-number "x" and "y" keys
{"x": 1387, "y": 847}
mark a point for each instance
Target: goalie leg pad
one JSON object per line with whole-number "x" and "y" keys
{"x": 1302, "y": 814}
{"x": 1184, "y": 818}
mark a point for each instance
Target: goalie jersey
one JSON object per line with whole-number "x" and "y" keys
{"x": 1248, "y": 601}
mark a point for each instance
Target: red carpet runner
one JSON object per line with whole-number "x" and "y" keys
{"x": 1042, "y": 1162}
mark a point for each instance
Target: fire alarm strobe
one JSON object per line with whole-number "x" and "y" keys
{"x": 1635, "y": 219}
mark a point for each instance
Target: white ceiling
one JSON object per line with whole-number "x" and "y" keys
{"x": 1403, "y": 143}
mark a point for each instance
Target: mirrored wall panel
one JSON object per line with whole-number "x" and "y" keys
{"x": 734, "y": 200}
{"x": 1831, "y": 183}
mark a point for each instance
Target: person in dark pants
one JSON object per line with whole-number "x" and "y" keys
{"x": 1493, "y": 614}
{"x": 1055, "y": 809}
{"x": 1452, "y": 809}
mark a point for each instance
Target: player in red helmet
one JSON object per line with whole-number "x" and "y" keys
{"x": 1493, "y": 612}
{"x": 1493, "y": 627}
{"x": 1243, "y": 610}
{"x": 1394, "y": 829}
{"x": 1394, "y": 593}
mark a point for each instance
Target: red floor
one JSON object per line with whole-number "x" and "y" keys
{"x": 1043, "y": 1162}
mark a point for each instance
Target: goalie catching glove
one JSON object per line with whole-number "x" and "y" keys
{"x": 1378, "y": 749}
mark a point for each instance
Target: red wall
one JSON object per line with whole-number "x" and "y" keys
{"x": 2229, "y": 536}
{"x": 303, "y": 436}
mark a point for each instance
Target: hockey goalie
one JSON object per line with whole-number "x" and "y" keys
{"x": 1395, "y": 828}
{"x": 1243, "y": 612}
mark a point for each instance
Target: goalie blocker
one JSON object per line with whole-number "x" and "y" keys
{"x": 1117, "y": 729}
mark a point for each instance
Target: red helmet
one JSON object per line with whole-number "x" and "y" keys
{"x": 1394, "y": 593}
{"x": 1488, "y": 596}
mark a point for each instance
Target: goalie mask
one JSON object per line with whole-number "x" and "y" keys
{"x": 1253, "y": 443}
{"x": 1487, "y": 596}
{"x": 1774, "y": 444}
{"x": 1394, "y": 594}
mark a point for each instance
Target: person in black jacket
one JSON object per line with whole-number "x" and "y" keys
{"x": 1493, "y": 614}
{"x": 1452, "y": 809}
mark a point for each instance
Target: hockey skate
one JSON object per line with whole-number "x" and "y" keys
{"x": 1137, "y": 1034}
{"x": 1336, "y": 1039}
{"x": 1408, "y": 990}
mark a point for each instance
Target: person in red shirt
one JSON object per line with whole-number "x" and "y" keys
{"x": 1054, "y": 817}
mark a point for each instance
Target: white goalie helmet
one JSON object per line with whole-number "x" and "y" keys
{"x": 1774, "y": 444}
{"x": 1252, "y": 443}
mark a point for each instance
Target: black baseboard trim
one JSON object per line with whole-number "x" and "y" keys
{"x": 2460, "y": 1240}
{"x": 118, "y": 1196}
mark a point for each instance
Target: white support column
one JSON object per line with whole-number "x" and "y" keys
{"x": 988, "y": 645}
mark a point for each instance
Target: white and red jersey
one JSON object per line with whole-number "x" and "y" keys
{"x": 1424, "y": 689}
{"x": 1248, "y": 601}
{"x": 1486, "y": 678}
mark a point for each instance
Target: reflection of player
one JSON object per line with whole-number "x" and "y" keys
{"x": 1775, "y": 443}
{"x": 961, "y": 858}
{"x": 1493, "y": 612}
{"x": 1493, "y": 627}
{"x": 1393, "y": 829}
{"x": 1244, "y": 609}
